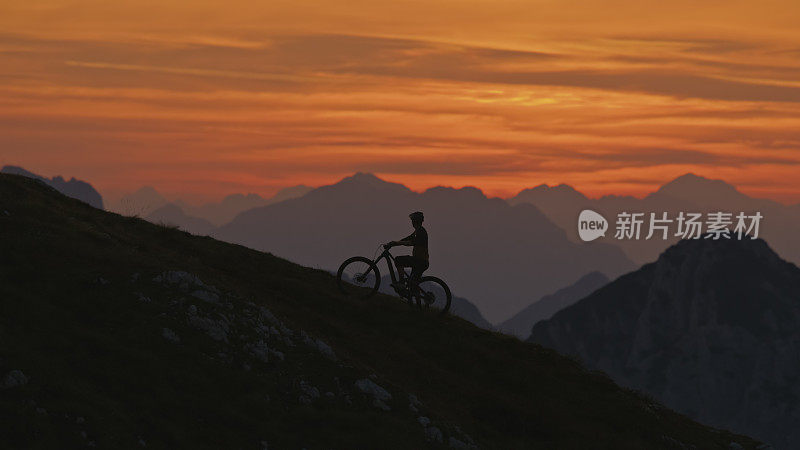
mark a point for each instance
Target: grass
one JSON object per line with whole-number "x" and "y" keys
{"x": 71, "y": 319}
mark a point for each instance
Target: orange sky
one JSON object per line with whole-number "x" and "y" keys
{"x": 201, "y": 98}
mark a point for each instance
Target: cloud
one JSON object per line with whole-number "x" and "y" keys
{"x": 326, "y": 60}
{"x": 312, "y": 107}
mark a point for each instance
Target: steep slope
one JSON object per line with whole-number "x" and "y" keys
{"x": 496, "y": 255}
{"x": 521, "y": 324}
{"x": 118, "y": 333}
{"x": 712, "y": 329}
{"x": 687, "y": 193}
{"x": 74, "y": 188}
{"x": 172, "y": 215}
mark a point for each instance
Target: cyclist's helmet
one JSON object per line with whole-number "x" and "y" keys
{"x": 417, "y": 215}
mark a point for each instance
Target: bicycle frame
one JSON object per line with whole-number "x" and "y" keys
{"x": 394, "y": 271}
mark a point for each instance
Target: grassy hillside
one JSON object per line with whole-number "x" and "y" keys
{"x": 132, "y": 334}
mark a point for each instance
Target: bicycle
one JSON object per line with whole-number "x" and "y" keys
{"x": 359, "y": 277}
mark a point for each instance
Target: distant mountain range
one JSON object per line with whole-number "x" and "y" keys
{"x": 148, "y": 203}
{"x": 74, "y": 188}
{"x": 712, "y": 329}
{"x": 522, "y": 323}
{"x": 224, "y": 211}
{"x": 687, "y": 193}
{"x": 496, "y": 255}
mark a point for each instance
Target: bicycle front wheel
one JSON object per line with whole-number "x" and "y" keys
{"x": 434, "y": 294}
{"x": 358, "y": 277}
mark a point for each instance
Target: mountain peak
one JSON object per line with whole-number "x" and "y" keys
{"x": 721, "y": 252}
{"x": 369, "y": 180}
{"x": 362, "y": 177}
{"x": 467, "y": 192}
{"x": 689, "y": 186}
{"x": 544, "y": 192}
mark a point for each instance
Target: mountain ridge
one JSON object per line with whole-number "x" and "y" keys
{"x": 74, "y": 188}
{"x": 709, "y": 328}
{"x": 685, "y": 193}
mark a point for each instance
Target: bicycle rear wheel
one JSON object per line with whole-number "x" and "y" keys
{"x": 434, "y": 294}
{"x": 358, "y": 277}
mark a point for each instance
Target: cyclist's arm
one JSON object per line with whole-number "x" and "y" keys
{"x": 407, "y": 241}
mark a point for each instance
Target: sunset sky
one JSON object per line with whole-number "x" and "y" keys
{"x": 205, "y": 98}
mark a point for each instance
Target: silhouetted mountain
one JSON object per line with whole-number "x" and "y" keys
{"x": 712, "y": 329}
{"x": 521, "y": 324}
{"x": 121, "y": 334}
{"x": 687, "y": 193}
{"x": 172, "y": 215}
{"x": 74, "y": 188}
{"x": 696, "y": 190}
{"x": 140, "y": 203}
{"x": 496, "y": 255}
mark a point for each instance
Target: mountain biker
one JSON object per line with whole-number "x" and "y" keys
{"x": 418, "y": 260}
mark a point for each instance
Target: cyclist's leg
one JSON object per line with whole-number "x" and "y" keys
{"x": 401, "y": 285}
{"x": 402, "y": 262}
{"x": 418, "y": 267}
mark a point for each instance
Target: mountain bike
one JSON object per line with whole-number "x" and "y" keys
{"x": 359, "y": 277}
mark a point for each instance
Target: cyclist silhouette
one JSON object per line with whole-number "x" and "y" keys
{"x": 360, "y": 277}
{"x": 418, "y": 260}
